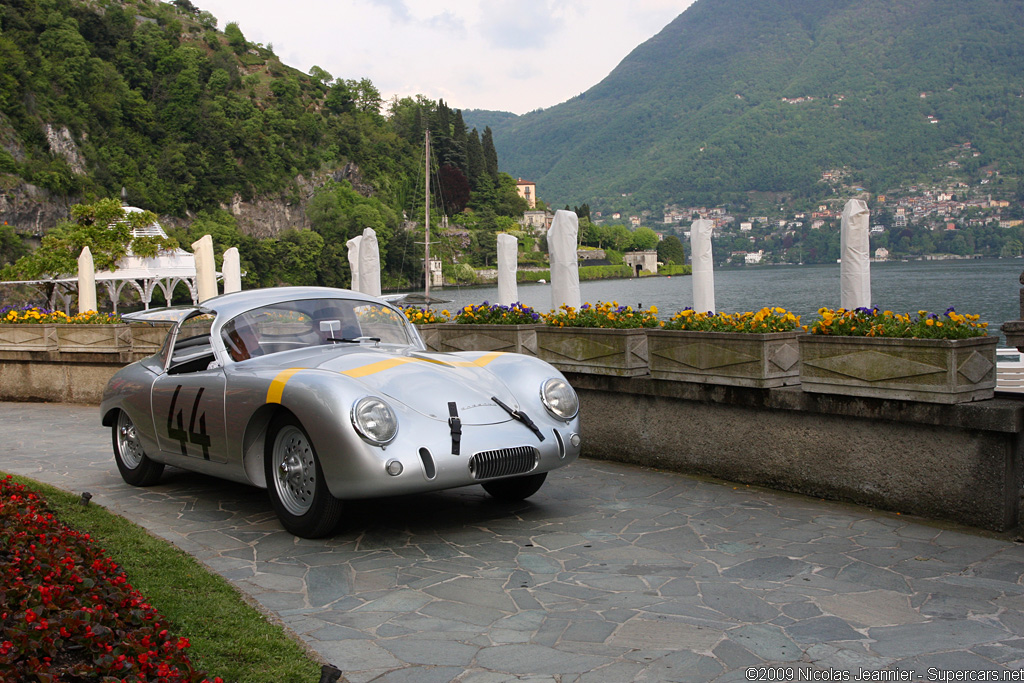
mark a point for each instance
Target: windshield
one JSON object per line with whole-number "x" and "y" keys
{"x": 312, "y": 322}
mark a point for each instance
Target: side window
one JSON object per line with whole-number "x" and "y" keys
{"x": 241, "y": 338}
{"x": 192, "y": 351}
{"x": 267, "y": 330}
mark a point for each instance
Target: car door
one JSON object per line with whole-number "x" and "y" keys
{"x": 188, "y": 397}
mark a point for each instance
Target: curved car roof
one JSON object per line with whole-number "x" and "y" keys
{"x": 230, "y": 305}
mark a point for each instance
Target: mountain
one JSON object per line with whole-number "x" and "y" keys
{"x": 736, "y": 96}
{"x": 486, "y": 118}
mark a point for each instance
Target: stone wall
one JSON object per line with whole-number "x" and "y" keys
{"x": 960, "y": 462}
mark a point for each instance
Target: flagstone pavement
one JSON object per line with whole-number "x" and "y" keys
{"x": 610, "y": 573}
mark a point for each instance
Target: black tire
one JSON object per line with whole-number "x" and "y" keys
{"x": 295, "y": 481}
{"x": 515, "y": 488}
{"x": 132, "y": 462}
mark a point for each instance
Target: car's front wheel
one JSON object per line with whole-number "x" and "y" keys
{"x": 132, "y": 462}
{"x": 295, "y": 480}
{"x": 515, "y": 488}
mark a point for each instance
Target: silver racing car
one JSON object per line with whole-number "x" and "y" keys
{"x": 323, "y": 395}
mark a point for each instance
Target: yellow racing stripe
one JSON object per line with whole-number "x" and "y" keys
{"x": 380, "y": 366}
{"x": 276, "y": 389}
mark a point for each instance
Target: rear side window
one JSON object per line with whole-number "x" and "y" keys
{"x": 192, "y": 350}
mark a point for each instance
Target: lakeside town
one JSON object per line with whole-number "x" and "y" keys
{"x": 948, "y": 219}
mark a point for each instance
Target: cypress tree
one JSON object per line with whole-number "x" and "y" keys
{"x": 474, "y": 158}
{"x": 459, "y": 140}
{"x": 490, "y": 154}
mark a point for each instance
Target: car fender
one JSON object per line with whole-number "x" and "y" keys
{"x": 129, "y": 390}
{"x": 321, "y": 400}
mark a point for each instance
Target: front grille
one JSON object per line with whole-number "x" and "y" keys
{"x": 503, "y": 462}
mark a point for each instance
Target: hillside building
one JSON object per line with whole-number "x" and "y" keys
{"x": 537, "y": 221}
{"x": 528, "y": 191}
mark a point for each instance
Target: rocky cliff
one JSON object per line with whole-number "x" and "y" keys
{"x": 33, "y": 211}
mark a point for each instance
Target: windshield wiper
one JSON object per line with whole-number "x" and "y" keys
{"x": 520, "y": 416}
{"x": 356, "y": 340}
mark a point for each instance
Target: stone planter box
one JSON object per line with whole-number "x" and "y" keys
{"x": 471, "y": 337}
{"x": 27, "y": 337}
{"x": 127, "y": 341}
{"x": 429, "y": 334}
{"x": 594, "y": 350}
{"x": 93, "y": 338}
{"x": 147, "y": 339}
{"x": 929, "y": 370}
{"x": 732, "y": 358}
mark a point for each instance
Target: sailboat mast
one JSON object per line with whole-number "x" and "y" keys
{"x": 426, "y": 258}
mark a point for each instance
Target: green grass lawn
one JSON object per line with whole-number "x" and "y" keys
{"x": 230, "y": 638}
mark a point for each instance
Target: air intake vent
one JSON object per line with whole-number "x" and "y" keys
{"x": 428, "y": 463}
{"x": 504, "y": 462}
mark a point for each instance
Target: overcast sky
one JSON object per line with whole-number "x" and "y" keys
{"x": 510, "y": 55}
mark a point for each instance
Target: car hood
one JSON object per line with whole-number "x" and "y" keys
{"x": 428, "y": 382}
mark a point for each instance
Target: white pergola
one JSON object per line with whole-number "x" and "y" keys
{"x": 165, "y": 271}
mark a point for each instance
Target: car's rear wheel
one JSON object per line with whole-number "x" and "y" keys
{"x": 515, "y": 488}
{"x": 295, "y": 480}
{"x": 132, "y": 462}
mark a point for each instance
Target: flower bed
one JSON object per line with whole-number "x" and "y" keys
{"x": 33, "y": 315}
{"x": 604, "y": 315}
{"x": 870, "y": 322}
{"x": 765, "y": 321}
{"x": 425, "y": 316}
{"x": 67, "y": 611}
{"x": 496, "y": 314}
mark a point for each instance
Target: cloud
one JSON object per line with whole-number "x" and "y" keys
{"x": 524, "y": 25}
{"x": 399, "y": 12}
{"x": 447, "y": 21}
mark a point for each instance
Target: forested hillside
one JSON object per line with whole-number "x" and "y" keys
{"x": 148, "y": 101}
{"x": 737, "y": 96}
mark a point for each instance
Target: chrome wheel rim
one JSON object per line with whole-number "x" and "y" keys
{"x": 128, "y": 444}
{"x": 294, "y": 470}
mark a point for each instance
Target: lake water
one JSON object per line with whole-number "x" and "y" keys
{"x": 987, "y": 287}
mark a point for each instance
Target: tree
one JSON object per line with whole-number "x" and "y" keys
{"x": 670, "y": 250}
{"x": 320, "y": 75}
{"x": 490, "y": 154}
{"x": 454, "y": 188}
{"x": 644, "y": 239}
{"x": 474, "y": 158}
{"x": 235, "y": 38}
{"x": 484, "y": 245}
{"x": 104, "y": 227}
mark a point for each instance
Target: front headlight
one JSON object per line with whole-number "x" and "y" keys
{"x": 374, "y": 420}
{"x": 559, "y": 398}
